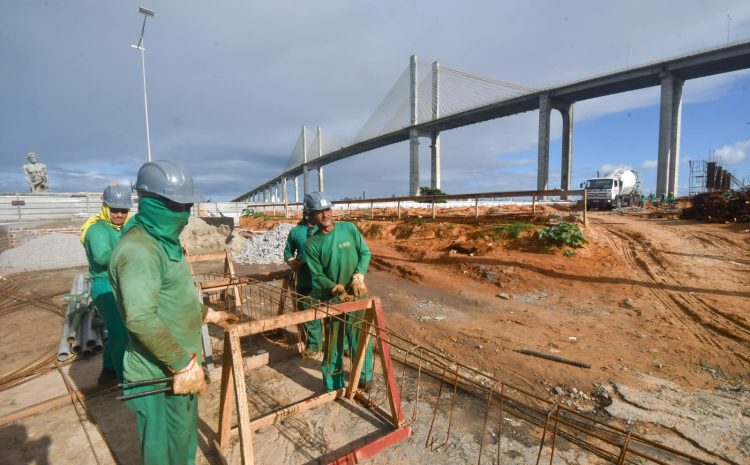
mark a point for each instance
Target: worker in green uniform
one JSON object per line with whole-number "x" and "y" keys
{"x": 99, "y": 235}
{"x": 160, "y": 307}
{"x": 294, "y": 256}
{"x": 338, "y": 258}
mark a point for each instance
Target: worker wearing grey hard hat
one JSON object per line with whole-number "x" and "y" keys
{"x": 338, "y": 258}
{"x": 99, "y": 235}
{"x": 155, "y": 292}
{"x": 294, "y": 256}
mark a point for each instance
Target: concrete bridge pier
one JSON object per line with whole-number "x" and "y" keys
{"x": 566, "y": 111}
{"x": 414, "y": 163}
{"x": 305, "y": 185}
{"x": 435, "y": 157}
{"x": 296, "y": 189}
{"x": 542, "y": 172}
{"x": 320, "y": 179}
{"x": 670, "y": 122}
{"x": 413, "y": 133}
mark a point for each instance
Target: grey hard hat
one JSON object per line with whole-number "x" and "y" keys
{"x": 169, "y": 180}
{"x": 118, "y": 196}
{"x": 314, "y": 201}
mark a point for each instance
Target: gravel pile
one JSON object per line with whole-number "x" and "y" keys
{"x": 47, "y": 252}
{"x": 267, "y": 247}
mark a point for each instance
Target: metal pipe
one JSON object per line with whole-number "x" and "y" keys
{"x": 98, "y": 346}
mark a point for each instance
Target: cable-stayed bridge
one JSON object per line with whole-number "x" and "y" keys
{"x": 429, "y": 98}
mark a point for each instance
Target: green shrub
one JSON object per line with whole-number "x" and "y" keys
{"x": 564, "y": 234}
{"x": 510, "y": 231}
{"x": 248, "y": 212}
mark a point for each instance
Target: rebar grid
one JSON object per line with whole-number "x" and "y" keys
{"x": 263, "y": 299}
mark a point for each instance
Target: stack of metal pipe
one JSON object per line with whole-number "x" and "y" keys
{"x": 83, "y": 331}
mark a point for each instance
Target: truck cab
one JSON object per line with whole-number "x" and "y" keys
{"x": 602, "y": 192}
{"x": 615, "y": 190}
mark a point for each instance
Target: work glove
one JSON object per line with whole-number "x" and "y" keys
{"x": 294, "y": 264}
{"x": 358, "y": 285}
{"x": 216, "y": 317}
{"x": 190, "y": 379}
{"x": 340, "y": 292}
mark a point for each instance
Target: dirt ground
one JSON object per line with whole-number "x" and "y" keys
{"x": 658, "y": 307}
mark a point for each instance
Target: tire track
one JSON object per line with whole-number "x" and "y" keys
{"x": 718, "y": 326}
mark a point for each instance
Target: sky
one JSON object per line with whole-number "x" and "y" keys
{"x": 231, "y": 83}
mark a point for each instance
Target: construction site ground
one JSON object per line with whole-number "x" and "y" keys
{"x": 657, "y": 306}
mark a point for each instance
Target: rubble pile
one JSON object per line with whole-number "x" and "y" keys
{"x": 720, "y": 207}
{"x": 266, "y": 248}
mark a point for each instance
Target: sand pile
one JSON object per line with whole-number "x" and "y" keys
{"x": 200, "y": 238}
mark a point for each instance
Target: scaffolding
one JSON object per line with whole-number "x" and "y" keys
{"x": 697, "y": 180}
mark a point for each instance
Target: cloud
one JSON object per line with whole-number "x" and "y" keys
{"x": 649, "y": 164}
{"x": 733, "y": 154}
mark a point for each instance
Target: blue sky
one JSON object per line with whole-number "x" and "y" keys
{"x": 231, "y": 84}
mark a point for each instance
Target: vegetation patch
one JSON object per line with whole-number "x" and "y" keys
{"x": 563, "y": 234}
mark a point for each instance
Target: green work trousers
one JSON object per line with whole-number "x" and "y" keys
{"x": 339, "y": 336}
{"x": 313, "y": 329}
{"x": 114, "y": 348}
{"x": 167, "y": 426}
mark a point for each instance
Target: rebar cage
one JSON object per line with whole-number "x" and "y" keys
{"x": 430, "y": 381}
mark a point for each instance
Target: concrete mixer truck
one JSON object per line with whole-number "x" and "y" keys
{"x": 617, "y": 189}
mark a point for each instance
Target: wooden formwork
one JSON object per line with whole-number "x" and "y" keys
{"x": 234, "y": 394}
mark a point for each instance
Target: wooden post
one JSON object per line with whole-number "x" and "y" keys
{"x": 398, "y": 209}
{"x": 384, "y": 347}
{"x": 433, "y": 207}
{"x": 359, "y": 359}
{"x": 226, "y": 401}
{"x": 533, "y": 204}
{"x": 476, "y": 207}
{"x": 240, "y": 393}
{"x": 371, "y": 210}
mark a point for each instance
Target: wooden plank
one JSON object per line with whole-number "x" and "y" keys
{"x": 394, "y": 398}
{"x": 41, "y": 407}
{"x": 295, "y": 408}
{"x": 226, "y": 402}
{"x": 374, "y": 447}
{"x": 53, "y": 403}
{"x": 367, "y": 403}
{"x": 303, "y": 405}
{"x": 205, "y": 257}
{"x": 359, "y": 359}
{"x": 218, "y": 449}
{"x": 240, "y": 393}
{"x": 303, "y": 316}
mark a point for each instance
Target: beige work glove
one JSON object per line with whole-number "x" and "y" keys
{"x": 340, "y": 292}
{"x": 215, "y": 317}
{"x": 358, "y": 285}
{"x": 190, "y": 379}
{"x": 294, "y": 264}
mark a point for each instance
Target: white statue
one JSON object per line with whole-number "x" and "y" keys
{"x": 35, "y": 174}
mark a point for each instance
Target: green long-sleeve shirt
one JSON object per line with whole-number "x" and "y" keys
{"x": 159, "y": 305}
{"x": 101, "y": 239}
{"x": 295, "y": 247}
{"x": 334, "y": 257}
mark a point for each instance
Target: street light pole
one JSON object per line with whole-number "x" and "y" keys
{"x": 146, "y": 13}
